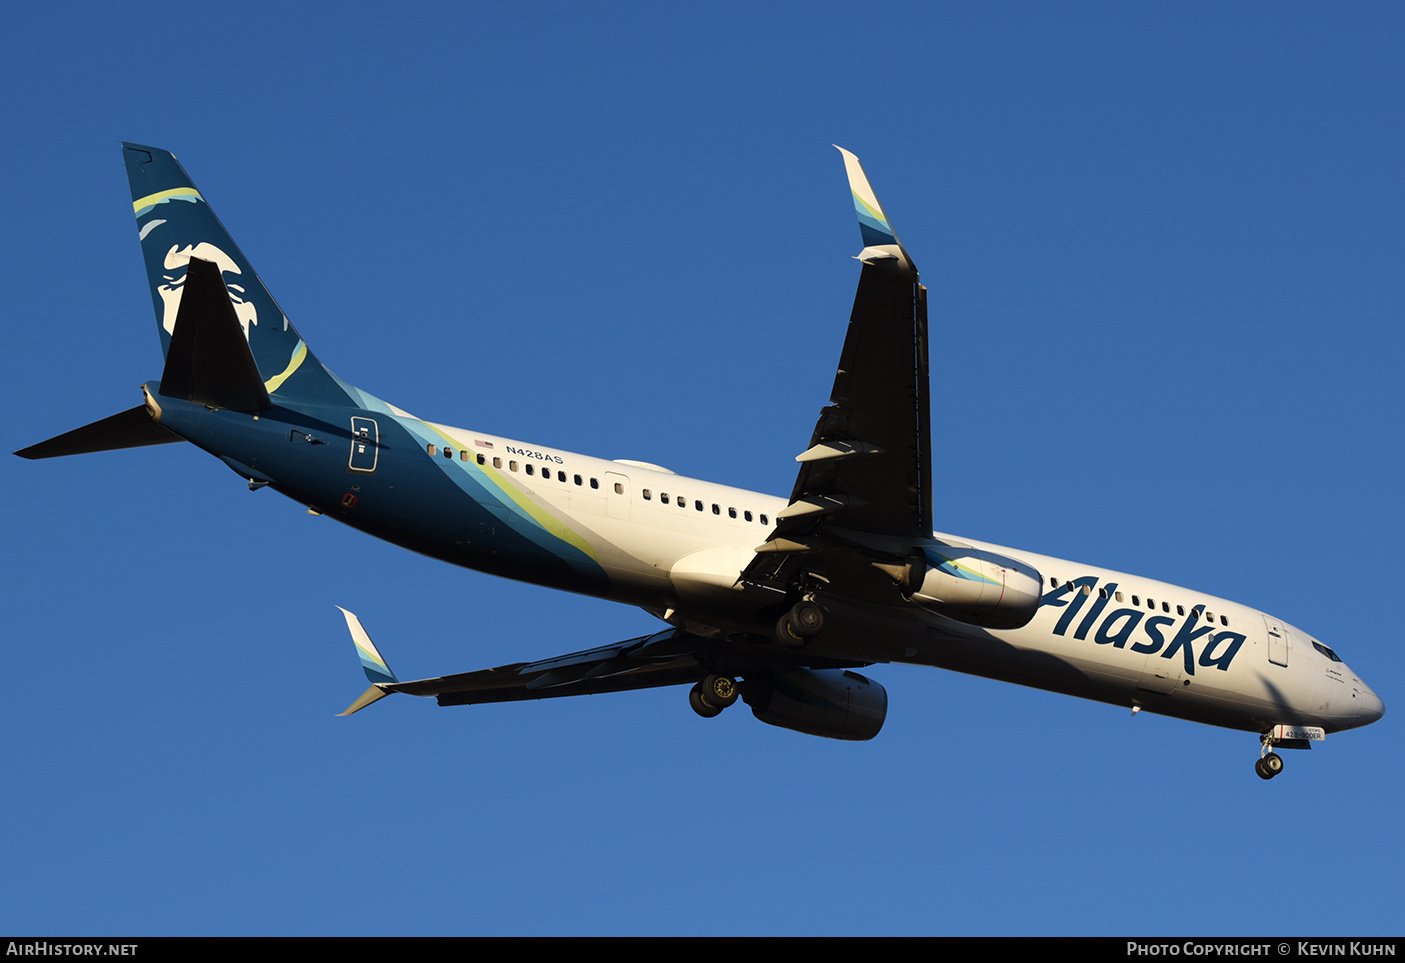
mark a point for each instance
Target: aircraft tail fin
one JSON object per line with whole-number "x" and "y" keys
{"x": 208, "y": 360}
{"x": 371, "y": 663}
{"x": 177, "y": 227}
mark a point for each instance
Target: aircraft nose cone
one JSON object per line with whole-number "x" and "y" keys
{"x": 1371, "y": 707}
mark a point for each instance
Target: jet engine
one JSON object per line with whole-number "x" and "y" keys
{"x": 834, "y": 703}
{"x": 970, "y": 584}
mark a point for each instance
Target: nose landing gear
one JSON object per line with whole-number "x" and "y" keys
{"x": 1270, "y": 763}
{"x": 1284, "y": 736}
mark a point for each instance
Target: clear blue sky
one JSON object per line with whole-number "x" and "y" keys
{"x": 1164, "y": 244}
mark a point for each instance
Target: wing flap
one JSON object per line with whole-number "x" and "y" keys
{"x": 640, "y": 663}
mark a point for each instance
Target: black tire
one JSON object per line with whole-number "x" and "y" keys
{"x": 1273, "y": 764}
{"x": 807, "y": 619}
{"x": 719, "y": 691}
{"x": 700, "y": 705}
{"x": 786, "y": 635}
{"x": 1259, "y": 768}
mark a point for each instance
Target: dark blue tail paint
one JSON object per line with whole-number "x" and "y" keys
{"x": 175, "y": 223}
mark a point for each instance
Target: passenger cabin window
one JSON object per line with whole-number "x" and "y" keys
{"x": 747, "y": 515}
{"x": 512, "y": 465}
{"x": 531, "y": 470}
{"x": 594, "y": 483}
{"x": 1136, "y": 601}
{"x": 578, "y": 480}
{"x": 619, "y": 489}
{"x": 431, "y": 449}
{"x": 699, "y": 505}
{"x": 497, "y": 462}
{"x": 731, "y": 513}
{"x": 449, "y": 453}
{"x": 648, "y": 495}
{"x": 763, "y": 520}
{"x": 663, "y": 497}
{"x": 463, "y": 454}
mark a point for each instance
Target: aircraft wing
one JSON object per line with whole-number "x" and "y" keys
{"x": 868, "y": 466}
{"x": 665, "y": 658}
{"x": 670, "y": 657}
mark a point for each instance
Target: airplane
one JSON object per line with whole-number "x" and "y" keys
{"x": 776, "y": 601}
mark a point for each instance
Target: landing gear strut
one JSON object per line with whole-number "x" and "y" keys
{"x": 1270, "y": 763}
{"x": 713, "y": 694}
{"x": 804, "y": 621}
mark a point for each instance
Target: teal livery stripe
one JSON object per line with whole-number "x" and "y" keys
{"x": 526, "y": 517}
{"x": 952, "y": 567}
{"x": 374, "y": 666}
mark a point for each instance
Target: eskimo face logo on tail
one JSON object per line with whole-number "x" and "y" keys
{"x": 178, "y": 259}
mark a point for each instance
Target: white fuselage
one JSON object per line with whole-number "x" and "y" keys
{"x": 676, "y": 546}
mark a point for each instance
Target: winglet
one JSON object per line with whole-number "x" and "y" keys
{"x": 882, "y": 248}
{"x": 371, "y": 663}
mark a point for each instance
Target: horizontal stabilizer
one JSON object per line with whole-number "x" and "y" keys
{"x": 132, "y": 428}
{"x": 209, "y": 361}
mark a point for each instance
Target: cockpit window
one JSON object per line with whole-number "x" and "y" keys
{"x": 1325, "y": 651}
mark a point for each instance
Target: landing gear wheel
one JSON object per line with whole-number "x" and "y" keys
{"x": 1259, "y": 768}
{"x": 1273, "y": 764}
{"x": 718, "y": 691}
{"x": 804, "y": 621}
{"x": 808, "y": 619}
{"x": 786, "y": 634}
{"x": 700, "y": 705}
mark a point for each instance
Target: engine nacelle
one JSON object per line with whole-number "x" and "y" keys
{"x": 834, "y": 703}
{"x": 971, "y": 585}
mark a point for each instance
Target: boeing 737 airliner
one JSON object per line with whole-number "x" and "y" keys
{"x": 774, "y": 600}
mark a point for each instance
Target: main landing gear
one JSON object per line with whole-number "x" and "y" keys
{"x": 713, "y": 694}
{"x": 1270, "y": 763}
{"x": 805, "y": 620}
